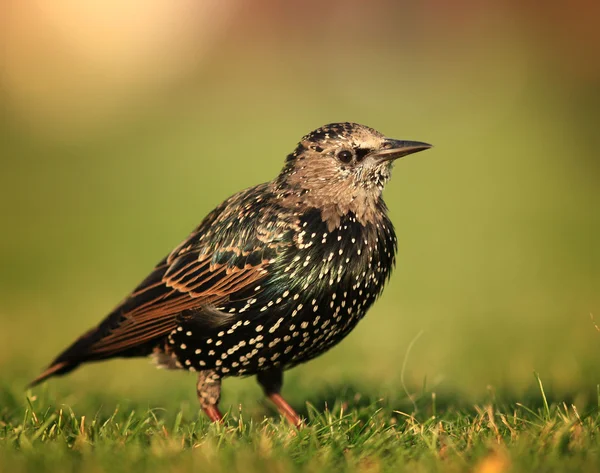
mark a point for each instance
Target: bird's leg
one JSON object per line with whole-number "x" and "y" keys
{"x": 271, "y": 382}
{"x": 209, "y": 393}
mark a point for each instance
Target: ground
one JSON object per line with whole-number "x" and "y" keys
{"x": 355, "y": 433}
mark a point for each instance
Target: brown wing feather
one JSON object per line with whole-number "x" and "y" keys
{"x": 158, "y": 316}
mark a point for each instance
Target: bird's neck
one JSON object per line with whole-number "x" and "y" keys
{"x": 334, "y": 200}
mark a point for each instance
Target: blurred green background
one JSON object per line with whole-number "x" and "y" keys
{"x": 124, "y": 123}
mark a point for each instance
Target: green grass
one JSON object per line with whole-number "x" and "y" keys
{"x": 353, "y": 434}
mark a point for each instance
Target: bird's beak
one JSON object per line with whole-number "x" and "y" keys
{"x": 394, "y": 149}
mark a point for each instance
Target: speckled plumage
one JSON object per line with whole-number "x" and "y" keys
{"x": 274, "y": 276}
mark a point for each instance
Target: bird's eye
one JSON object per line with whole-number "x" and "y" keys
{"x": 345, "y": 156}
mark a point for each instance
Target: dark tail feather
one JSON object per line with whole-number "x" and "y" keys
{"x": 69, "y": 359}
{"x": 54, "y": 369}
{"x": 82, "y": 350}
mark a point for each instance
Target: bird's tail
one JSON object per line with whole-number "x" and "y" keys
{"x": 54, "y": 369}
{"x": 69, "y": 359}
{"x": 85, "y": 349}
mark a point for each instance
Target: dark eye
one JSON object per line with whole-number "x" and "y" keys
{"x": 345, "y": 156}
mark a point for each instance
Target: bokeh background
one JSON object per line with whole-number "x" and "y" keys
{"x": 124, "y": 122}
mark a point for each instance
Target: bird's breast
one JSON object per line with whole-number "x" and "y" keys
{"x": 327, "y": 281}
{"x": 350, "y": 255}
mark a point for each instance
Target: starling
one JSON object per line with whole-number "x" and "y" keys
{"x": 274, "y": 276}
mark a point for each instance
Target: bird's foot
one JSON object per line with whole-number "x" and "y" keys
{"x": 286, "y": 410}
{"x": 213, "y": 414}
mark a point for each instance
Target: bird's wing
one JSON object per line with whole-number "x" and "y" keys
{"x": 229, "y": 252}
{"x": 191, "y": 282}
{"x": 199, "y": 275}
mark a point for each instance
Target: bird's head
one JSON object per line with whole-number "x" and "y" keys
{"x": 343, "y": 167}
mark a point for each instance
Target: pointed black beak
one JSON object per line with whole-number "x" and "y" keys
{"x": 394, "y": 149}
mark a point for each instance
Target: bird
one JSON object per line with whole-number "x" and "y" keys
{"x": 274, "y": 276}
